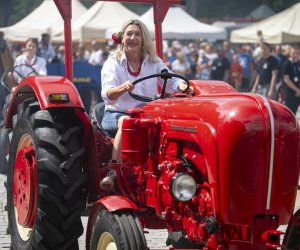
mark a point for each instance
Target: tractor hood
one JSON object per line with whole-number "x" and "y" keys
{"x": 251, "y": 149}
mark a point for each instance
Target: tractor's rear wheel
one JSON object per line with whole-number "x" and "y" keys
{"x": 292, "y": 236}
{"x": 4, "y": 149}
{"x": 117, "y": 231}
{"x": 44, "y": 190}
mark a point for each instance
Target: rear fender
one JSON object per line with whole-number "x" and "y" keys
{"x": 110, "y": 203}
{"x": 41, "y": 87}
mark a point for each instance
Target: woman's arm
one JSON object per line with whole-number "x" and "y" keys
{"x": 115, "y": 92}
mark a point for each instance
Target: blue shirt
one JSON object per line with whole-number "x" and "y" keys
{"x": 245, "y": 60}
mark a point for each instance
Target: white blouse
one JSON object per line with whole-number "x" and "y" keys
{"x": 21, "y": 69}
{"x": 115, "y": 73}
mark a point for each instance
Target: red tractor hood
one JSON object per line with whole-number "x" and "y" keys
{"x": 251, "y": 149}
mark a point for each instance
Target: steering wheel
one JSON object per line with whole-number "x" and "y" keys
{"x": 165, "y": 75}
{"x": 20, "y": 75}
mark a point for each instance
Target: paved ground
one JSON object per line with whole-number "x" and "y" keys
{"x": 155, "y": 239}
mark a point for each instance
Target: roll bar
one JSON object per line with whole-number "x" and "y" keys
{"x": 160, "y": 8}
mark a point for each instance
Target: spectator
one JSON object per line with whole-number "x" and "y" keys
{"x": 175, "y": 48}
{"x": 209, "y": 52}
{"x": 181, "y": 65}
{"x": 246, "y": 61}
{"x": 267, "y": 73}
{"x": 35, "y": 65}
{"x": 220, "y": 67}
{"x": 228, "y": 51}
{"x": 206, "y": 58}
{"x": 46, "y": 49}
{"x": 236, "y": 73}
{"x": 96, "y": 57}
{"x": 3, "y": 48}
{"x": 82, "y": 54}
{"x": 3, "y": 43}
{"x": 281, "y": 58}
{"x": 16, "y": 50}
{"x": 6, "y": 60}
{"x": 291, "y": 77}
{"x": 59, "y": 55}
{"x": 192, "y": 58}
{"x": 203, "y": 67}
{"x": 257, "y": 53}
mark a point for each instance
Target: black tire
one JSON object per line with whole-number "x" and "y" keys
{"x": 122, "y": 229}
{"x": 53, "y": 138}
{"x": 291, "y": 238}
{"x": 4, "y": 149}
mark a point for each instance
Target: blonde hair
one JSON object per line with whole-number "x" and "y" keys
{"x": 147, "y": 48}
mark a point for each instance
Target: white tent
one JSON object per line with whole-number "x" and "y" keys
{"x": 93, "y": 24}
{"x": 41, "y": 20}
{"x": 178, "y": 24}
{"x": 278, "y": 29}
{"x": 229, "y": 26}
{"x": 262, "y": 11}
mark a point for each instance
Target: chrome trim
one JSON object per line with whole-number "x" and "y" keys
{"x": 271, "y": 166}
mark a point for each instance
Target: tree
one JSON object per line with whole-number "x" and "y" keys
{"x": 232, "y": 8}
{"x": 22, "y": 8}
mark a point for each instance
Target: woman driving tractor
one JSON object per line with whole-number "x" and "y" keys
{"x": 134, "y": 58}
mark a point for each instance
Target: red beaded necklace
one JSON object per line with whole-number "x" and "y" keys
{"x": 131, "y": 72}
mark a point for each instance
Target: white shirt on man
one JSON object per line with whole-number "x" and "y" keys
{"x": 96, "y": 57}
{"x": 115, "y": 73}
{"x": 46, "y": 52}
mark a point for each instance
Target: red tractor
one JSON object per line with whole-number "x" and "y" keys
{"x": 218, "y": 170}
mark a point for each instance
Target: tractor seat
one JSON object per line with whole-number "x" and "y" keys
{"x": 97, "y": 115}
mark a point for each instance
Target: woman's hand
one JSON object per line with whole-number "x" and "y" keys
{"x": 127, "y": 86}
{"x": 116, "y": 92}
{"x": 182, "y": 87}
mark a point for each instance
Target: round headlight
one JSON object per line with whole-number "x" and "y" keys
{"x": 183, "y": 187}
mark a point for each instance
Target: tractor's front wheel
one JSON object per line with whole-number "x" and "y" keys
{"x": 117, "y": 231}
{"x": 44, "y": 190}
{"x": 292, "y": 236}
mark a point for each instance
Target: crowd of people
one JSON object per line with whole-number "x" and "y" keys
{"x": 258, "y": 68}
{"x": 248, "y": 68}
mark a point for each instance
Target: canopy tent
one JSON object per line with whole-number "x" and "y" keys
{"x": 179, "y": 25}
{"x": 98, "y": 18}
{"x": 229, "y": 26}
{"x": 41, "y": 20}
{"x": 278, "y": 29}
{"x": 262, "y": 11}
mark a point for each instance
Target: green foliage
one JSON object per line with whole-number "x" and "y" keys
{"x": 232, "y": 8}
{"x": 279, "y": 5}
{"x": 21, "y": 8}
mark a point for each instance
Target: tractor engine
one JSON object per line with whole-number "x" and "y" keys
{"x": 185, "y": 201}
